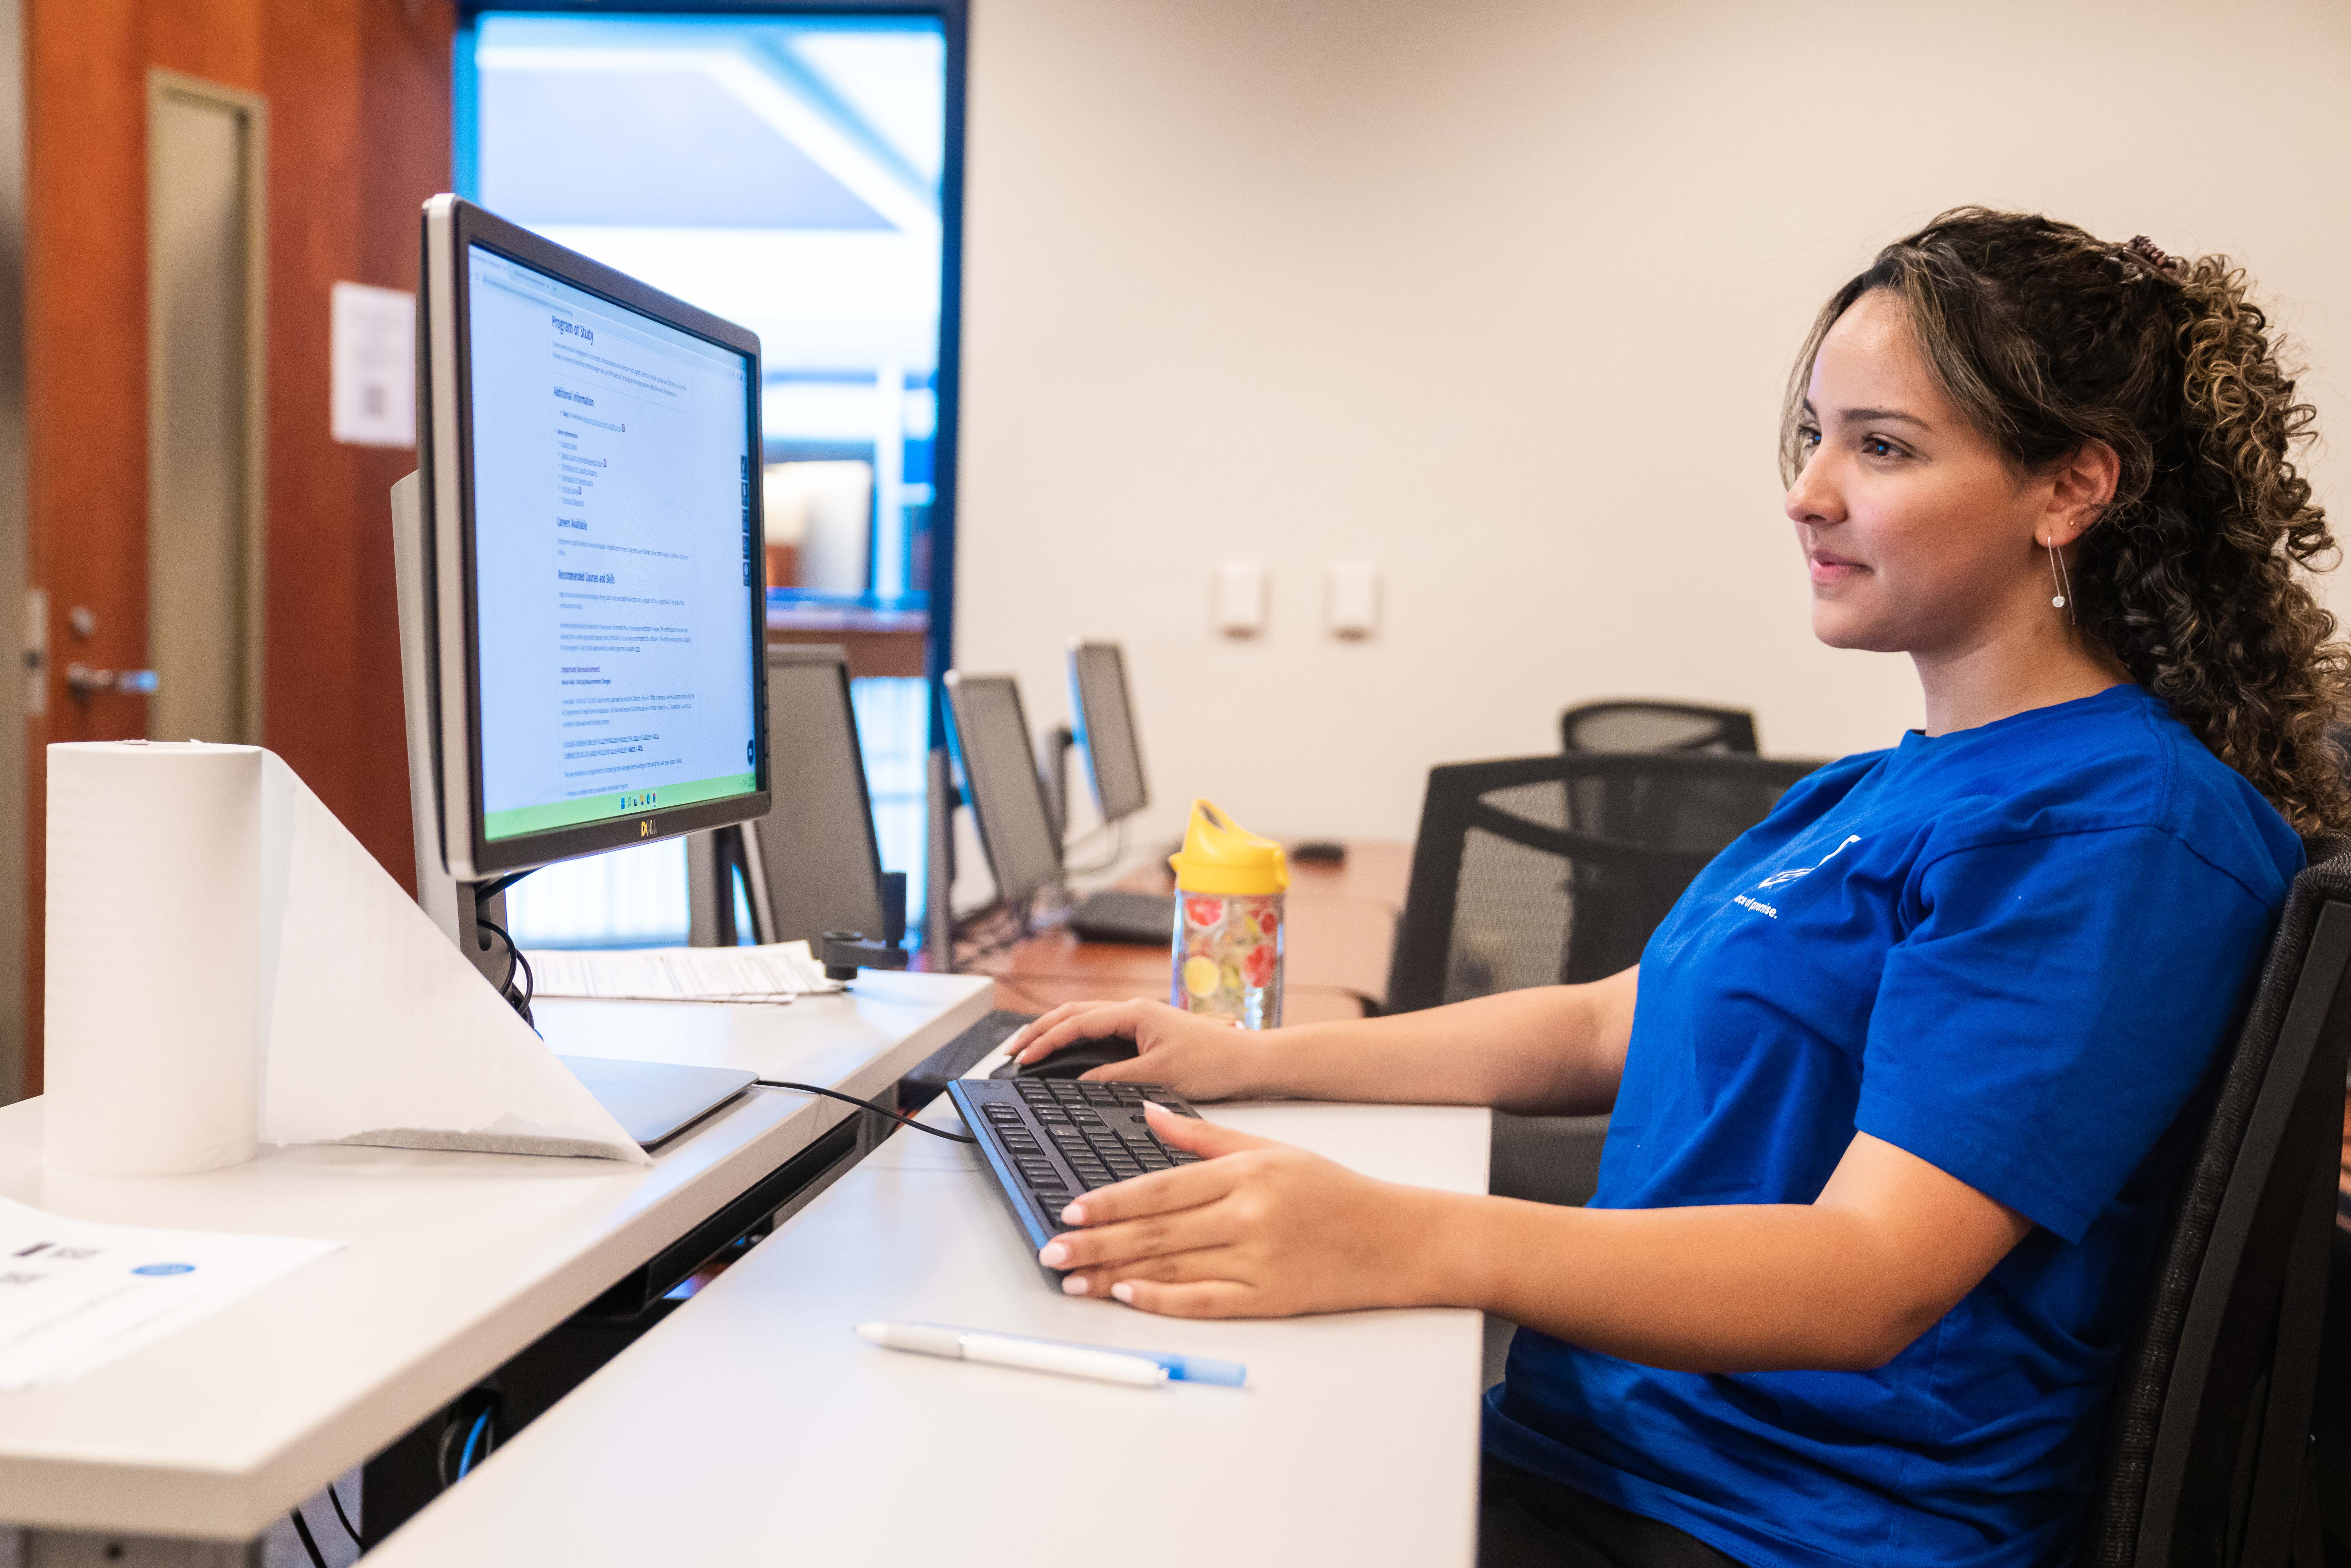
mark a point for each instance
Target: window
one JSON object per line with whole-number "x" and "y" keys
{"x": 785, "y": 171}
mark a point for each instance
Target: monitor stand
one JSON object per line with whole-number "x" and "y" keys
{"x": 651, "y": 1099}
{"x": 1053, "y": 749}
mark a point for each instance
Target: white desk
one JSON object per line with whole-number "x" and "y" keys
{"x": 455, "y": 1262}
{"x": 752, "y": 1428}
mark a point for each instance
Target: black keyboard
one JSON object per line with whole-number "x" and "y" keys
{"x": 1049, "y": 1141}
{"x": 1142, "y": 919}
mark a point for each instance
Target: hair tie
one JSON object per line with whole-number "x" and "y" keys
{"x": 2150, "y": 255}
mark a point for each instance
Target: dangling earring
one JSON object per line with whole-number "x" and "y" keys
{"x": 2060, "y": 580}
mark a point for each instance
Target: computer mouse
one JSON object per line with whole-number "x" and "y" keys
{"x": 1081, "y": 1057}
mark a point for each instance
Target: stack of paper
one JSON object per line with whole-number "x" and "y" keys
{"x": 74, "y": 1294}
{"x": 775, "y": 973}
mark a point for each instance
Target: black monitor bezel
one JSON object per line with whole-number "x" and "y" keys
{"x": 1087, "y": 728}
{"x": 957, "y": 680}
{"x": 837, "y": 657}
{"x": 470, "y": 226}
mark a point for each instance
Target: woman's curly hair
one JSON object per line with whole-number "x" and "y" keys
{"x": 2047, "y": 336}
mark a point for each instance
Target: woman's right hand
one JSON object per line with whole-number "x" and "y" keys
{"x": 1199, "y": 1057}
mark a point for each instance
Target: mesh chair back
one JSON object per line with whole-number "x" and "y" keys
{"x": 2206, "y": 1450}
{"x": 1542, "y": 870}
{"x": 1657, "y": 726}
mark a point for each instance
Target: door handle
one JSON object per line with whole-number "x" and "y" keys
{"x": 82, "y": 681}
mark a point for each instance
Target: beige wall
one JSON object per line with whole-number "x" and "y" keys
{"x": 1500, "y": 296}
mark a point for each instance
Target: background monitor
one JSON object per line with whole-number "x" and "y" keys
{"x": 1007, "y": 800}
{"x": 589, "y": 502}
{"x": 815, "y": 849}
{"x": 1106, "y": 732}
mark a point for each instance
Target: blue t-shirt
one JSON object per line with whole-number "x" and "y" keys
{"x": 2012, "y": 951}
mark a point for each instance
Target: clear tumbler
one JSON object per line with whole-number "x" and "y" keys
{"x": 1230, "y": 887}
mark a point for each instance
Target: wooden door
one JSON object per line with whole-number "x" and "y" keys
{"x": 358, "y": 137}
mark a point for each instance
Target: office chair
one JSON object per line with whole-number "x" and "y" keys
{"x": 2207, "y": 1457}
{"x": 1657, "y": 726}
{"x": 1544, "y": 869}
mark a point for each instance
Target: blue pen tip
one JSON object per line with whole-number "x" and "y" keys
{"x": 1200, "y": 1369}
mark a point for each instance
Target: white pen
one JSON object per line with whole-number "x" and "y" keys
{"x": 1142, "y": 1368}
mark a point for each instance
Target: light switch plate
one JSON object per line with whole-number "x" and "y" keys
{"x": 1351, "y": 599}
{"x": 1239, "y": 598}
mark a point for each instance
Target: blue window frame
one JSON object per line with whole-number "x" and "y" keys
{"x": 797, "y": 168}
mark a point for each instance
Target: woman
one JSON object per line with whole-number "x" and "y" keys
{"x": 1892, "y": 1082}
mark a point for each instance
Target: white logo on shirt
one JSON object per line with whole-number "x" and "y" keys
{"x": 1778, "y": 877}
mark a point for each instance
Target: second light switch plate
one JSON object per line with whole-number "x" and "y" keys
{"x": 1351, "y": 599}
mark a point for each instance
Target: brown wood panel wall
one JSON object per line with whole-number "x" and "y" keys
{"x": 359, "y": 136}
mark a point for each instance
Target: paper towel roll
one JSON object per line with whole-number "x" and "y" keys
{"x": 154, "y": 995}
{"x": 226, "y": 962}
{"x": 382, "y": 1032}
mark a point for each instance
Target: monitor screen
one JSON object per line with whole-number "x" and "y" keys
{"x": 611, "y": 468}
{"x": 1105, "y": 713}
{"x": 1007, "y": 798}
{"x": 817, "y": 848}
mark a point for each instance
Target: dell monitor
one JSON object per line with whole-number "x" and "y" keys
{"x": 1007, "y": 800}
{"x": 1099, "y": 696}
{"x": 817, "y": 865}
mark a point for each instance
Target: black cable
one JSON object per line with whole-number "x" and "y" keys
{"x": 529, "y": 980}
{"x": 985, "y": 951}
{"x": 485, "y": 891}
{"x": 868, "y": 1104}
{"x": 1117, "y": 848}
{"x": 357, "y": 1538}
{"x": 1009, "y": 923}
{"x": 996, "y": 917}
{"x": 515, "y": 960}
{"x": 441, "y": 1455}
{"x": 302, "y": 1528}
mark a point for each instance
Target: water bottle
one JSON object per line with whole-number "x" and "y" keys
{"x": 1229, "y": 885}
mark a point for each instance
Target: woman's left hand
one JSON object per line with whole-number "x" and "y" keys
{"x": 1256, "y": 1229}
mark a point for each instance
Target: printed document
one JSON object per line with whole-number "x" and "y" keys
{"x": 775, "y": 973}
{"x": 76, "y": 1294}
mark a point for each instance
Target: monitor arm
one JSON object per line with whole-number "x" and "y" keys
{"x": 940, "y": 800}
{"x": 1053, "y": 770}
{"x": 452, "y": 904}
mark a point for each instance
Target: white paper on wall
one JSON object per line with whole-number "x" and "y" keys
{"x": 367, "y": 1025}
{"x": 373, "y": 380}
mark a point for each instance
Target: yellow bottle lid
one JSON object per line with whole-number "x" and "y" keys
{"x": 1221, "y": 856}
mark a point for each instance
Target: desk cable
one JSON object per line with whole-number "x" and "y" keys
{"x": 1117, "y": 833}
{"x": 519, "y": 998}
{"x": 302, "y": 1528}
{"x": 868, "y": 1105}
{"x": 349, "y": 1529}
